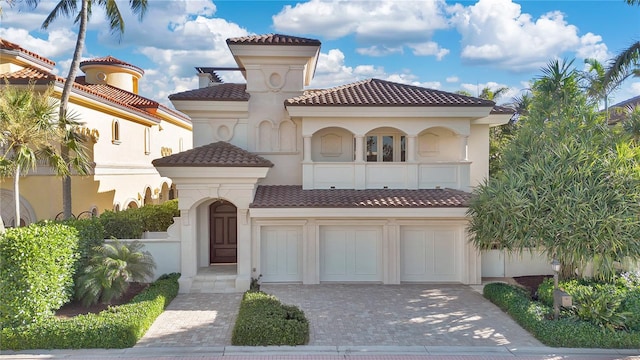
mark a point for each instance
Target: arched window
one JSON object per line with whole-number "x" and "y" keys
{"x": 115, "y": 132}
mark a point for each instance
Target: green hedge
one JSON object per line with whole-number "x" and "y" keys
{"x": 131, "y": 223}
{"x": 533, "y": 316}
{"x": 36, "y": 271}
{"x": 263, "y": 320}
{"x": 90, "y": 234}
{"x": 117, "y": 327}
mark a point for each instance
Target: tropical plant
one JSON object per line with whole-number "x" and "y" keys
{"x": 626, "y": 64}
{"x": 69, "y": 8}
{"x": 111, "y": 268}
{"x": 29, "y": 133}
{"x": 568, "y": 184}
{"x": 597, "y": 86}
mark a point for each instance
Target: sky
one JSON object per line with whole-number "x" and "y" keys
{"x": 450, "y": 46}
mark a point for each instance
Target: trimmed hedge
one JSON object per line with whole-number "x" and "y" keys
{"x": 117, "y": 327}
{"x": 532, "y": 316}
{"x": 263, "y": 320}
{"x": 90, "y": 234}
{"x": 36, "y": 271}
{"x": 131, "y": 223}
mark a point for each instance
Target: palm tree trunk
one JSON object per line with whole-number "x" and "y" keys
{"x": 16, "y": 194}
{"x": 64, "y": 101}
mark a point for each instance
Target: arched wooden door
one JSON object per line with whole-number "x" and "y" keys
{"x": 223, "y": 232}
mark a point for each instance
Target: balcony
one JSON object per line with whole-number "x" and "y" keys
{"x": 380, "y": 175}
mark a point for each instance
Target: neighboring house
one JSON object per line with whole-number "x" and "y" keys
{"x": 125, "y": 131}
{"x": 365, "y": 182}
{"x": 618, "y": 111}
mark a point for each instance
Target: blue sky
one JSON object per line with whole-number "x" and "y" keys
{"x": 449, "y": 45}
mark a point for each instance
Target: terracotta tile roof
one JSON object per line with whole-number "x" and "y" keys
{"x": 218, "y": 154}
{"x": 220, "y": 92}
{"x": 292, "y": 196}
{"x": 617, "y": 112}
{"x": 273, "y": 39}
{"x": 7, "y": 45}
{"x": 25, "y": 75}
{"x": 123, "y": 96}
{"x": 110, "y": 60}
{"x": 502, "y": 110}
{"x": 375, "y": 92}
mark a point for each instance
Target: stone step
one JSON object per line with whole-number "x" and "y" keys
{"x": 218, "y": 286}
{"x": 214, "y": 277}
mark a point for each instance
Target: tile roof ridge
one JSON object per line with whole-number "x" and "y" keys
{"x": 111, "y": 60}
{"x": 8, "y": 45}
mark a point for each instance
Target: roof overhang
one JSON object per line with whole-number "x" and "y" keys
{"x": 252, "y": 54}
{"x": 212, "y": 109}
{"x": 493, "y": 120}
{"x": 468, "y": 112}
{"x": 205, "y": 174}
{"x": 360, "y": 213}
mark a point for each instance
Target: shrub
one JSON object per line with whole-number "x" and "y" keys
{"x": 91, "y": 234}
{"x": 158, "y": 217}
{"x": 263, "y": 320}
{"x": 122, "y": 224}
{"x": 117, "y": 327}
{"x": 111, "y": 268}
{"x": 36, "y": 271}
{"x": 565, "y": 332}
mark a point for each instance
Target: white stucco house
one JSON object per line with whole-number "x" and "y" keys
{"x": 365, "y": 182}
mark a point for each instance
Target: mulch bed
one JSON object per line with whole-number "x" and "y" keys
{"x": 75, "y": 307}
{"x": 531, "y": 283}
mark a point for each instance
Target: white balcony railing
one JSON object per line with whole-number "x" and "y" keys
{"x": 376, "y": 175}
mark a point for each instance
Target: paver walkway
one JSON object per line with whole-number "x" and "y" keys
{"x": 431, "y": 315}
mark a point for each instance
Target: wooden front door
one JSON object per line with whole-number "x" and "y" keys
{"x": 223, "y": 232}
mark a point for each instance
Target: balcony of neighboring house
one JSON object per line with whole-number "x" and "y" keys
{"x": 386, "y": 158}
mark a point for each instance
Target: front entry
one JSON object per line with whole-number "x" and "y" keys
{"x": 223, "y": 232}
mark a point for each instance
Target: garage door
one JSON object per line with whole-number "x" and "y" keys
{"x": 430, "y": 254}
{"x": 281, "y": 254}
{"x": 350, "y": 253}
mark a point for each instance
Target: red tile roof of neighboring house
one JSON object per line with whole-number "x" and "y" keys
{"x": 273, "y": 39}
{"x": 502, "y": 110}
{"x": 110, "y": 60}
{"x": 293, "y": 196}
{"x": 617, "y": 112}
{"x": 218, "y": 154}
{"x": 375, "y": 92}
{"x": 7, "y": 45}
{"x": 123, "y": 96}
{"x": 219, "y": 92}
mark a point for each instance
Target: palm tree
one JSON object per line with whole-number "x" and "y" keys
{"x": 626, "y": 64}
{"x": 597, "y": 86}
{"x": 111, "y": 268}
{"x": 29, "y": 133}
{"x": 69, "y": 8}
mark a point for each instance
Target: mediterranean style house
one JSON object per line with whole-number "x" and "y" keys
{"x": 125, "y": 130}
{"x": 365, "y": 182}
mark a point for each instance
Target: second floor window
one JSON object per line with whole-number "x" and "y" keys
{"x": 385, "y": 148}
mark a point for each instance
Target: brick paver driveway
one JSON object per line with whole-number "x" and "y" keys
{"x": 351, "y": 315}
{"x": 436, "y": 315}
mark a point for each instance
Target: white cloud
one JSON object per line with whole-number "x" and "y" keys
{"x": 452, "y": 79}
{"x": 591, "y": 46}
{"x": 429, "y": 48}
{"x": 58, "y": 42}
{"x": 496, "y": 32}
{"x": 384, "y": 26}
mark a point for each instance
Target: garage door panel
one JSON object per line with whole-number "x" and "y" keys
{"x": 429, "y": 254}
{"x": 350, "y": 253}
{"x": 281, "y": 254}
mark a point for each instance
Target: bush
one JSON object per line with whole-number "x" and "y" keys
{"x": 263, "y": 320}
{"x": 131, "y": 223}
{"x": 602, "y": 304}
{"x": 91, "y": 234}
{"x": 565, "y": 332}
{"x": 117, "y": 327}
{"x": 36, "y": 271}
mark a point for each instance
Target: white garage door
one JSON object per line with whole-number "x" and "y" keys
{"x": 350, "y": 253}
{"x": 281, "y": 254}
{"x": 430, "y": 254}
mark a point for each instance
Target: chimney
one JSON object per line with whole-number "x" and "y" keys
{"x": 204, "y": 80}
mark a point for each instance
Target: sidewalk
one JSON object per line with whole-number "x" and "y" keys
{"x": 332, "y": 352}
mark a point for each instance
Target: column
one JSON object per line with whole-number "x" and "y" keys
{"x": 464, "y": 147}
{"x": 306, "y": 148}
{"x": 411, "y": 148}
{"x": 243, "y": 267}
{"x": 359, "y": 155}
